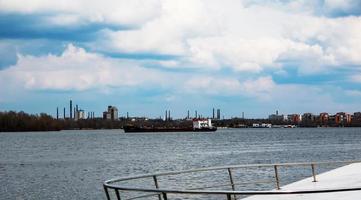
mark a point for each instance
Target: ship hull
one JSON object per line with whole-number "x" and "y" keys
{"x": 133, "y": 129}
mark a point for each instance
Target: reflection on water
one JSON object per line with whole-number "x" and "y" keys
{"x": 73, "y": 164}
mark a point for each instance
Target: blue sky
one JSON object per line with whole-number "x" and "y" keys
{"x": 145, "y": 57}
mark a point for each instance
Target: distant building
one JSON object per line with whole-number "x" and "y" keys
{"x": 342, "y": 118}
{"x": 308, "y": 117}
{"x": 324, "y": 118}
{"x": 106, "y": 115}
{"x": 218, "y": 113}
{"x": 111, "y": 113}
{"x": 71, "y": 109}
{"x": 275, "y": 117}
{"x": 294, "y": 118}
{"x": 357, "y": 116}
{"x": 79, "y": 114}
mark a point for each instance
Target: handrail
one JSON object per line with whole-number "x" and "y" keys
{"x": 226, "y": 167}
{"x": 110, "y": 184}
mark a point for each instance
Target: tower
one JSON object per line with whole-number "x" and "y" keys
{"x": 71, "y": 110}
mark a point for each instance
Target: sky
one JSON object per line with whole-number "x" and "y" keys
{"x": 148, "y": 56}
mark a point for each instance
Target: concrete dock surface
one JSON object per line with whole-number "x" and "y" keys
{"x": 348, "y": 176}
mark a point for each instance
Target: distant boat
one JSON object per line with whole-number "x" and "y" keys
{"x": 199, "y": 125}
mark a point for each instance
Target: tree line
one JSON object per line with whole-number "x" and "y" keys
{"x": 20, "y": 121}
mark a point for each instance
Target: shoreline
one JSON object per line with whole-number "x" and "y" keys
{"x": 219, "y": 128}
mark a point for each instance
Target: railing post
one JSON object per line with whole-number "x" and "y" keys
{"x": 117, "y": 194}
{"x": 164, "y": 196}
{"x": 231, "y": 180}
{"x": 313, "y": 172}
{"x": 277, "y": 178}
{"x": 157, "y": 186}
{"x": 106, "y": 192}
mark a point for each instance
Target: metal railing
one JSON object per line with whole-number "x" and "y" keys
{"x": 163, "y": 193}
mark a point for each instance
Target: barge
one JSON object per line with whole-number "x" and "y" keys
{"x": 199, "y": 125}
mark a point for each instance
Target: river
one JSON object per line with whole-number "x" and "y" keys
{"x": 73, "y": 164}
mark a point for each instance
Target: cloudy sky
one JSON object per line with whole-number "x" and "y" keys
{"x": 146, "y": 56}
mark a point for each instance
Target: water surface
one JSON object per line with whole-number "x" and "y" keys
{"x": 73, "y": 164}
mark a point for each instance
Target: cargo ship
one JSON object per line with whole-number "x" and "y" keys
{"x": 199, "y": 125}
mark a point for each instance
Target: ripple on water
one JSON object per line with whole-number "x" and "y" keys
{"x": 73, "y": 164}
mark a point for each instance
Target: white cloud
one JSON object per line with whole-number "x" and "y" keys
{"x": 105, "y": 11}
{"x": 244, "y": 38}
{"x": 212, "y": 85}
{"x": 244, "y": 35}
{"x": 260, "y": 88}
{"x": 356, "y": 78}
{"x": 76, "y": 69}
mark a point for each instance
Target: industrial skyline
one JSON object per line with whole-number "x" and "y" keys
{"x": 112, "y": 113}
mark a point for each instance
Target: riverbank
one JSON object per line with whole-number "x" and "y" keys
{"x": 23, "y": 122}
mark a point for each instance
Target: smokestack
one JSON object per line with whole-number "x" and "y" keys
{"x": 57, "y": 113}
{"x": 166, "y": 115}
{"x": 169, "y": 115}
{"x": 64, "y": 112}
{"x": 188, "y": 115}
{"x": 196, "y": 114}
{"x": 213, "y": 114}
{"x": 71, "y": 110}
{"x": 76, "y": 114}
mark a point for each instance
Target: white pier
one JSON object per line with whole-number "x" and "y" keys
{"x": 348, "y": 176}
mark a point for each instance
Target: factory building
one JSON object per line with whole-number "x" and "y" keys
{"x": 276, "y": 117}
{"x": 218, "y": 113}
{"x": 111, "y": 113}
{"x": 79, "y": 114}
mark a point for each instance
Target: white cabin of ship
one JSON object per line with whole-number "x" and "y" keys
{"x": 202, "y": 123}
